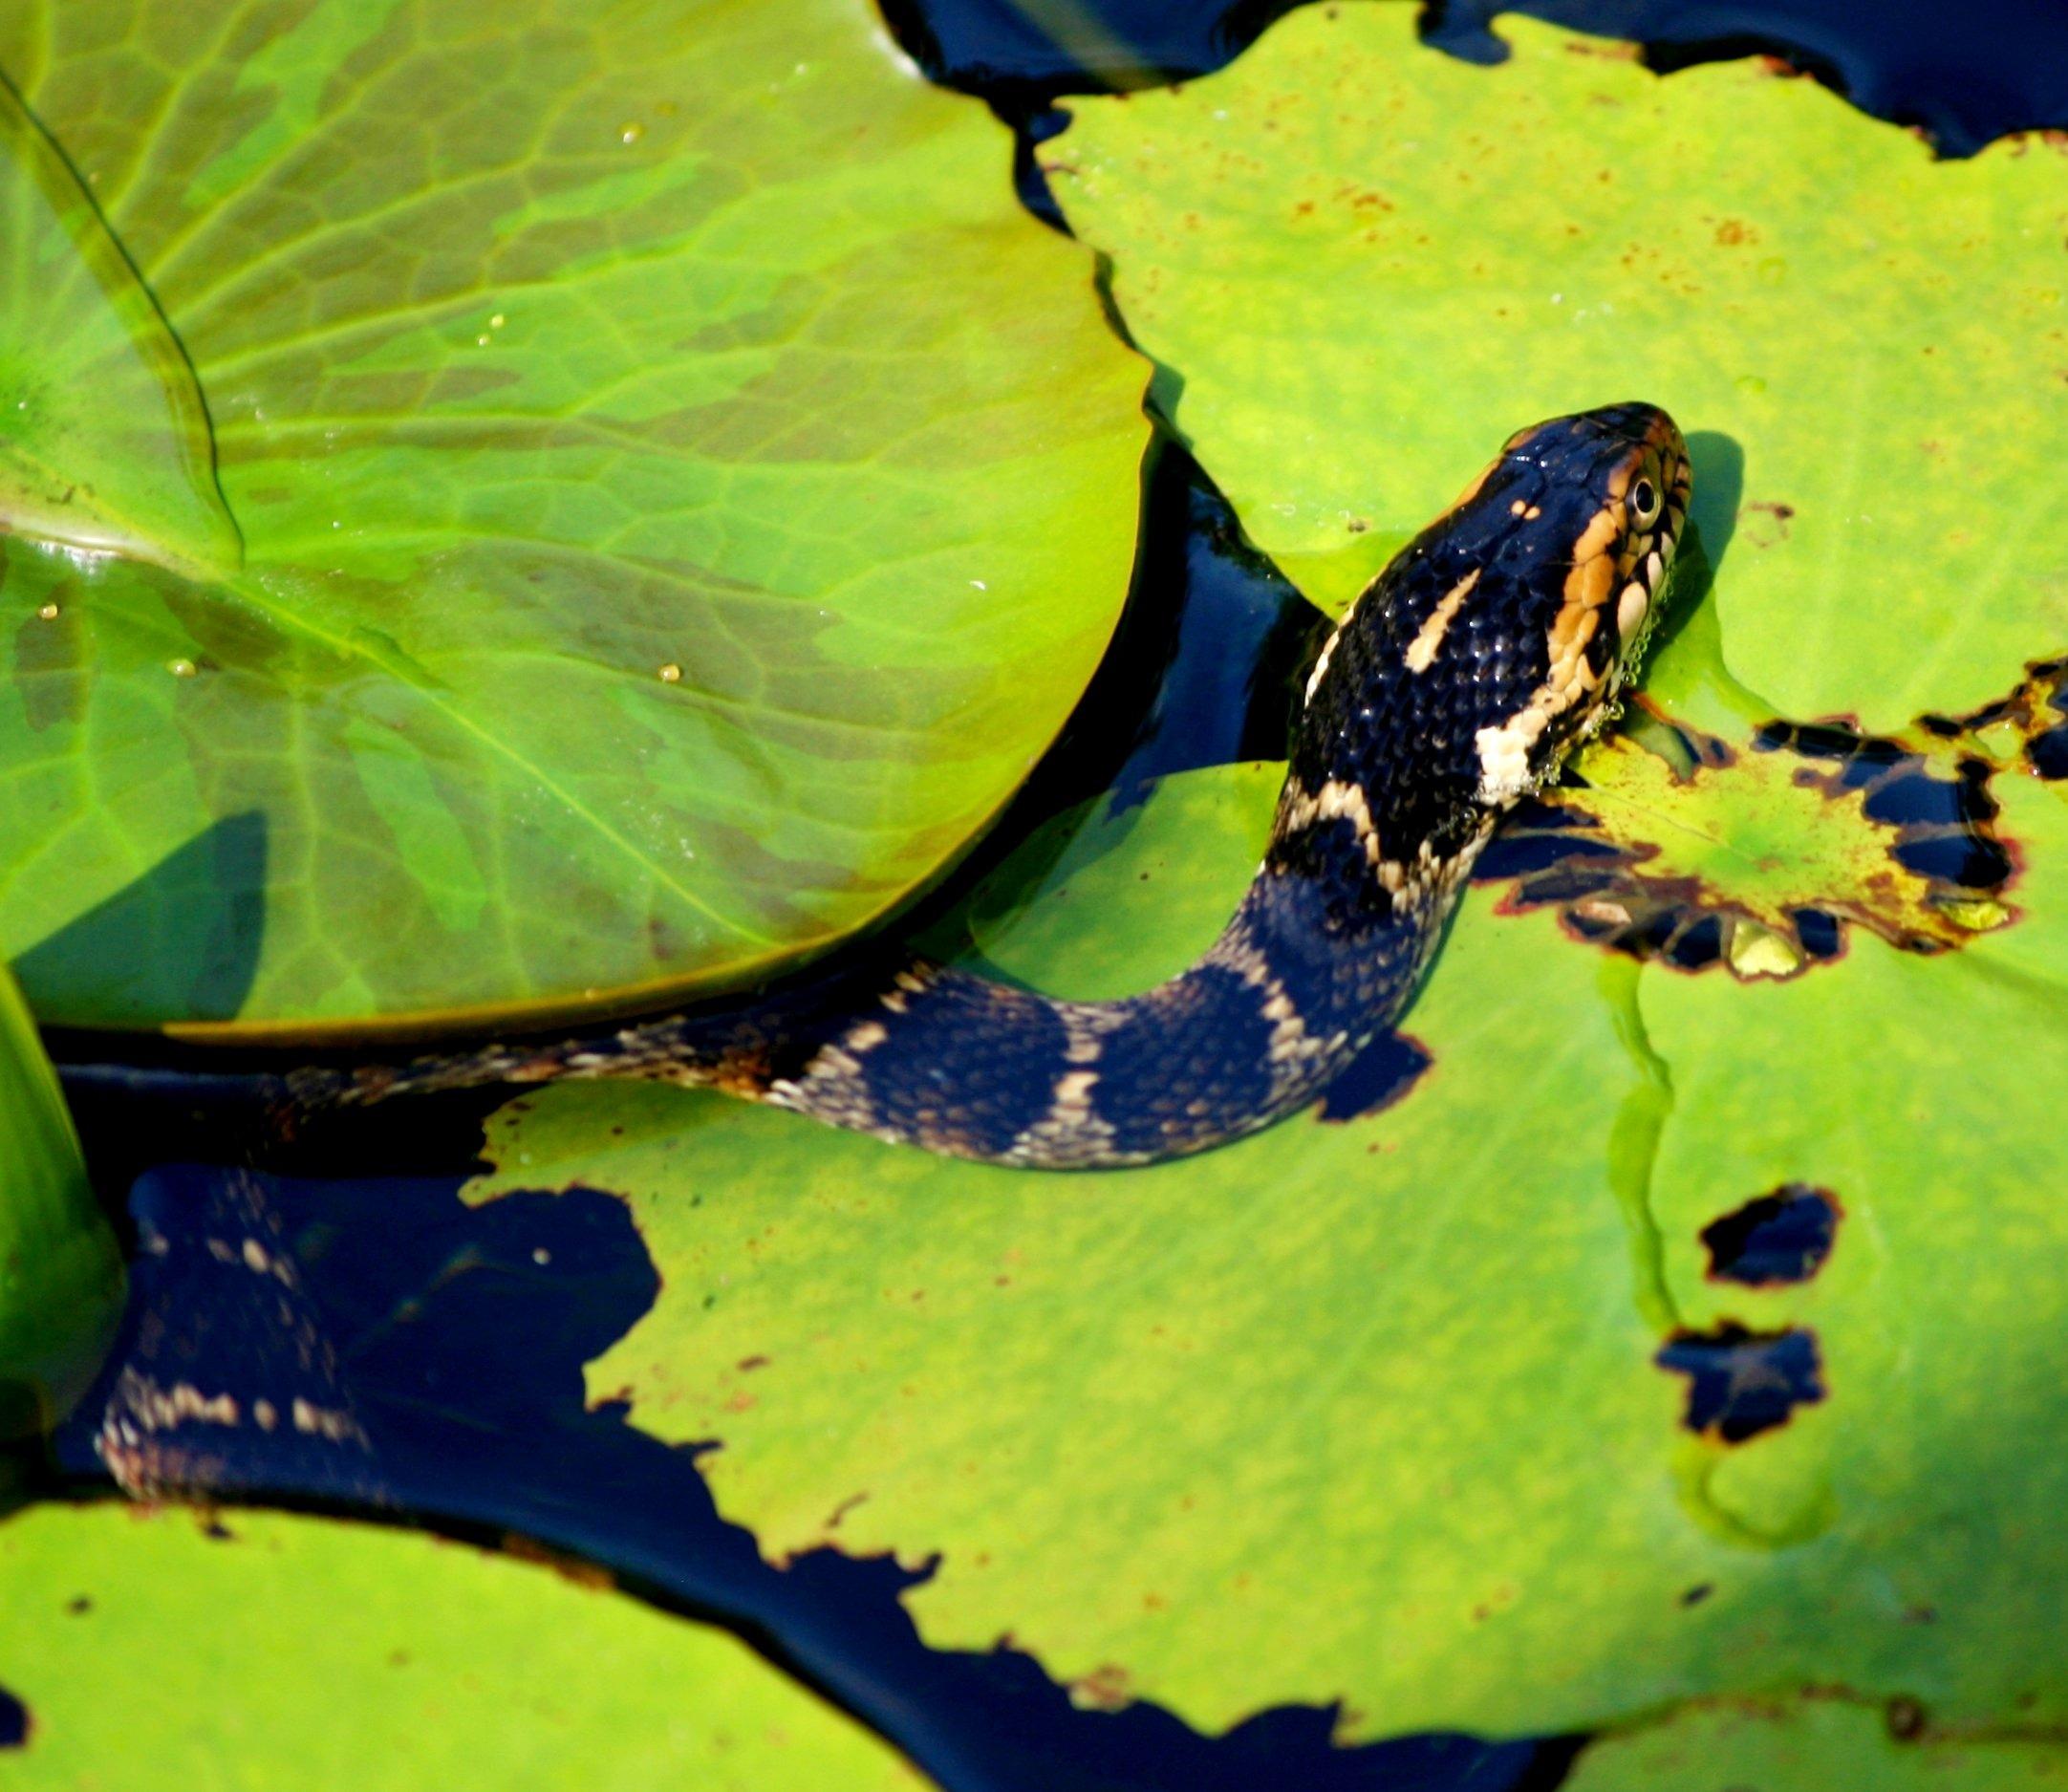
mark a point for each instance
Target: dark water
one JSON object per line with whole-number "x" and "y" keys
{"x": 460, "y": 1333}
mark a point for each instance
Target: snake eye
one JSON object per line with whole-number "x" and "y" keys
{"x": 1645, "y": 504}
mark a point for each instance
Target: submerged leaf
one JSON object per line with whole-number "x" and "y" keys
{"x": 298, "y": 1652}
{"x": 1436, "y": 1411}
{"x": 682, "y": 495}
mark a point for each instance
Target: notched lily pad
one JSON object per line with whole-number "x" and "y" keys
{"x": 1314, "y": 1367}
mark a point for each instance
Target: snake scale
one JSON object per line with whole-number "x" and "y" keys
{"x": 1457, "y": 682}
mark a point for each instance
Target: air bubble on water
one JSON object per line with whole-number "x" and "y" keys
{"x": 480, "y": 342}
{"x": 979, "y": 584}
{"x": 47, "y": 611}
{"x": 670, "y": 673}
{"x": 179, "y": 668}
{"x": 631, "y": 131}
{"x": 497, "y": 321}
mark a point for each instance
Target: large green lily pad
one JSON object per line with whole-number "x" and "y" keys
{"x": 1371, "y": 1410}
{"x": 157, "y": 1649}
{"x": 61, "y": 1277}
{"x": 680, "y": 494}
{"x": 1365, "y": 263}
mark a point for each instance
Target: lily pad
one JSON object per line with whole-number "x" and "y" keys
{"x": 298, "y": 1652}
{"x": 681, "y": 495}
{"x": 1363, "y": 262}
{"x": 61, "y": 1277}
{"x": 1434, "y": 1409}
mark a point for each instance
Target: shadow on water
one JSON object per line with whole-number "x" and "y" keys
{"x": 459, "y": 1335}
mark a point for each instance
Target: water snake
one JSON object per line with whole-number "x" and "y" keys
{"x": 1456, "y": 683}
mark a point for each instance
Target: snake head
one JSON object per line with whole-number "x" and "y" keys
{"x": 1495, "y": 640}
{"x": 1625, "y": 472}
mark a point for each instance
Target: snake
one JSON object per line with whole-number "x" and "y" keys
{"x": 1458, "y": 681}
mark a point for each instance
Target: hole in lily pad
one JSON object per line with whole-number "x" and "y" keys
{"x": 14, "y": 1720}
{"x": 1777, "y": 1238}
{"x": 1741, "y": 1383}
{"x": 2049, "y": 752}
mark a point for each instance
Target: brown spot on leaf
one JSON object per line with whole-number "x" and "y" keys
{"x": 1105, "y": 1688}
{"x": 1765, "y": 524}
{"x": 568, "y": 1567}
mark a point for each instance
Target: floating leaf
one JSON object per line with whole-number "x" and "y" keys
{"x": 60, "y": 1273}
{"x": 681, "y": 494}
{"x": 296, "y": 1652}
{"x": 1366, "y": 263}
{"x": 1434, "y": 1409}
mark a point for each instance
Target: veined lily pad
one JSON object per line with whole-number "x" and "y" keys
{"x": 1366, "y": 263}
{"x": 158, "y": 1649}
{"x": 681, "y": 495}
{"x": 60, "y": 1273}
{"x": 1434, "y": 1409}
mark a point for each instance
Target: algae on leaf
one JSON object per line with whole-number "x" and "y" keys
{"x": 1365, "y": 261}
{"x": 681, "y": 494}
{"x": 299, "y": 1653}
